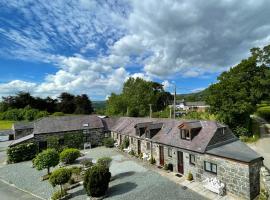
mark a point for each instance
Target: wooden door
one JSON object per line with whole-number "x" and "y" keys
{"x": 161, "y": 155}
{"x": 180, "y": 162}
{"x": 139, "y": 147}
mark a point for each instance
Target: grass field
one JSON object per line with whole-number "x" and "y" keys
{"x": 5, "y": 124}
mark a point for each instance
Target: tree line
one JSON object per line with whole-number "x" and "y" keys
{"x": 136, "y": 97}
{"x": 24, "y": 106}
{"x": 240, "y": 89}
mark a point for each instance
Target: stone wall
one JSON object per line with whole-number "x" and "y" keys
{"x": 95, "y": 136}
{"x": 19, "y": 133}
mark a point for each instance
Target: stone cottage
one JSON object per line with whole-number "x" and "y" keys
{"x": 91, "y": 129}
{"x": 203, "y": 148}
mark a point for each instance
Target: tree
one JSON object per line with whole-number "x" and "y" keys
{"x": 68, "y": 156}
{"x": 46, "y": 159}
{"x": 59, "y": 177}
{"x": 136, "y": 96}
{"x": 234, "y": 97}
{"x": 83, "y": 104}
{"x": 96, "y": 180}
{"x": 66, "y": 103}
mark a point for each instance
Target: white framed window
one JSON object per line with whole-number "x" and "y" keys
{"x": 210, "y": 167}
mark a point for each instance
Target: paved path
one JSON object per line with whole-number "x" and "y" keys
{"x": 8, "y": 192}
{"x": 262, "y": 146}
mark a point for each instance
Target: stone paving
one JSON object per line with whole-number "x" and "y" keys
{"x": 131, "y": 179}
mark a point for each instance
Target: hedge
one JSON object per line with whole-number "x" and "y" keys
{"x": 96, "y": 180}
{"x": 22, "y": 152}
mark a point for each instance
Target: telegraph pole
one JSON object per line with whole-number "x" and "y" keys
{"x": 150, "y": 110}
{"x": 174, "y": 101}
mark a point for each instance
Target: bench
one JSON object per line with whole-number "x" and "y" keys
{"x": 214, "y": 185}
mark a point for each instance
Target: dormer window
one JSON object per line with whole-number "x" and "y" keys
{"x": 189, "y": 129}
{"x": 185, "y": 134}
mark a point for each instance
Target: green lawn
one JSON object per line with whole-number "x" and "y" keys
{"x": 5, "y": 124}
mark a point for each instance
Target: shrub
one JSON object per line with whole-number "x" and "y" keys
{"x": 53, "y": 142}
{"x": 105, "y": 161}
{"x": 241, "y": 131}
{"x": 87, "y": 163}
{"x": 74, "y": 140}
{"x": 189, "y": 176}
{"x": 68, "y": 156}
{"x": 58, "y": 194}
{"x": 108, "y": 142}
{"x": 22, "y": 152}
{"x": 132, "y": 152}
{"x": 59, "y": 177}
{"x": 126, "y": 143}
{"x": 58, "y": 114}
{"x": 96, "y": 180}
{"x": 166, "y": 167}
{"x": 46, "y": 159}
{"x": 152, "y": 160}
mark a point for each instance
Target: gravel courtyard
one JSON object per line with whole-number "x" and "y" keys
{"x": 130, "y": 180}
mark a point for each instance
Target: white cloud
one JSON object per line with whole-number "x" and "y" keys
{"x": 198, "y": 89}
{"x": 166, "y": 84}
{"x": 95, "y": 46}
{"x": 16, "y": 86}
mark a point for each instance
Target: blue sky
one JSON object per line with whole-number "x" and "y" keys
{"x": 92, "y": 47}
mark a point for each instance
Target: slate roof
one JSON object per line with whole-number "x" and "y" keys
{"x": 236, "y": 150}
{"x": 191, "y": 125}
{"x": 67, "y": 123}
{"x": 169, "y": 134}
{"x": 6, "y": 132}
{"x": 22, "y": 139}
{"x": 23, "y": 125}
{"x": 195, "y": 103}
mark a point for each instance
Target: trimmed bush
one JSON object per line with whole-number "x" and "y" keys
{"x": 46, "y": 159}
{"x": 58, "y": 194}
{"x": 105, "y": 161}
{"x": 22, "y": 152}
{"x": 132, "y": 152}
{"x": 108, "y": 142}
{"x": 152, "y": 160}
{"x": 96, "y": 180}
{"x": 60, "y": 177}
{"x": 68, "y": 156}
{"x": 189, "y": 176}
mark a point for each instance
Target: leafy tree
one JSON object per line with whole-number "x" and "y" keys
{"x": 46, "y": 159}
{"x": 68, "y": 156}
{"x": 83, "y": 104}
{"x": 60, "y": 177}
{"x": 96, "y": 180}
{"x": 235, "y": 96}
{"x": 135, "y": 98}
{"x": 66, "y": 103}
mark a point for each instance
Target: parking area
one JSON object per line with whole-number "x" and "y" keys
{"x": 130, "y": 180}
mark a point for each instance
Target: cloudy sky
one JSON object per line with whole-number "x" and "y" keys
{"x": 88, "y": 46}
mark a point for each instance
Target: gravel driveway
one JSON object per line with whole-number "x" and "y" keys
{"x": 130, "y": 180}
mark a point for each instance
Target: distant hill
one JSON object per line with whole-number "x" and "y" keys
{"x": 198, "y": 96}
{"x": 99, "y": 105}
